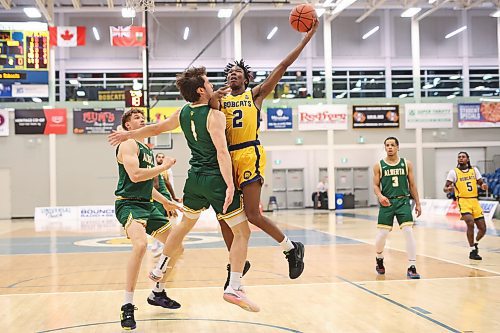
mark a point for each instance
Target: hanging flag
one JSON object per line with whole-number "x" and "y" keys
{"x": 67, "y": 36}
{"x": 128, "y": 36}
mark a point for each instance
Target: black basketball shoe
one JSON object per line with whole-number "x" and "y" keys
{"x": 380, "y": 266}
{"x": 246, "y": 268}
{"x": 127, "y": 316}
{"x": 474, "y": 254}
{"x": 161, "y": 299}
{"x": 295, "y": 259}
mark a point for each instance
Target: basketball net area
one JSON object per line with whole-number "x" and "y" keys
{"x": 141, "y": 5}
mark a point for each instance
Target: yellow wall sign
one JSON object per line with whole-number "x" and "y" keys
{"x": 160, "y": 113}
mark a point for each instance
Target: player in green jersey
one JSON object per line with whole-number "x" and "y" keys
{"x": 394, "y": 184}
{"x": 135, "y": 211}
{"x": 210, "y": 180}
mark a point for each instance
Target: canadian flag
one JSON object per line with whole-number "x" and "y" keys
{"x": 128, "y": 36}
{"x": 67, "y": 36}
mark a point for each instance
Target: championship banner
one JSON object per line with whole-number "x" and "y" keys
{"x": 375, "y": 116}
{"x": 46, "y": 121}
{"x": 279, "y": 119}
{"x": 322, "y": 117}
{"x": 479, "y": 115}
{"x": 429, "y": 115}
{"x": 96, "y": 121}
{"x": 4, "y": 122}
{"x": 158, "y": 114}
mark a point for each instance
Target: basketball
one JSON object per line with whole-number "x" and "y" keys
{"x": 302, "y": 17}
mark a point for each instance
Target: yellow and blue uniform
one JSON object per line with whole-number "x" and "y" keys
{"x": 465, "y": 182}
{"x": 242, "y": 132}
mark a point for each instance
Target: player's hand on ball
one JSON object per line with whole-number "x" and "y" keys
{"x": 384, "y": 201}
{"x": 117, "y": 137}
{"x": 314, "y": 27}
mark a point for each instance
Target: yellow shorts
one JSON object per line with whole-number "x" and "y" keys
{"x": 470, "y": 206}
{"x": 249, "y": 165}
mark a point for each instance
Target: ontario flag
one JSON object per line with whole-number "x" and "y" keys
{"x": 128, "y": 36}
{"x": 67, "y": 36}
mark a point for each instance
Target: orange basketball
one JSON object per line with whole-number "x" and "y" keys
{"x": 302, "y": 17}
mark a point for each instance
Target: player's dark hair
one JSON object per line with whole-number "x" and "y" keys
{"x": 468, "y": 159}
{"x": 246, "y": 70}
{"x": 189, "y": 81}
{"x": 156, "y": 156}
{"x": 392, "y": 138}
{"x": 127, "y": 115}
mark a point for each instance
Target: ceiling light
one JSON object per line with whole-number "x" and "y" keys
{"x": 36, "y": 100}
{"x": 356, "y": 89}
{"x": 495, "y": 14}
{"x": 371, "y": 32}
{"x": 403, "y": 95}
{"x": 428, "y": 86}
{"x": 410, "y": 12}
{"x": 128, "y": 12}
{"x": 271, "y": 34}
{"x": 432, "y": 1}
{"x": 455, "y": 77}
{"x": 224, "y": 13}
{"x": 96, "y": 33}
{"x": 453, "y": 33}
{"x": 32, "y": 12}
{"x": 450, "y": 96}
{"x": 186, "y": 33}
{"x": 80, "y": 93}
{"x": 486, "y": 77}
{"x": 73, "y": 81}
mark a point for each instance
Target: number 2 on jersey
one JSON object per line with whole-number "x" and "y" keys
{"x": 395, "y": 181}
{"x": 237, "y": 122}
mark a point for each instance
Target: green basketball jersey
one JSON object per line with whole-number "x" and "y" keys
{"x": 162, "y": 188}
{"x": 394, "y": 179}
{"x": 194, "y": 123}
{"x": 127, "y": 189}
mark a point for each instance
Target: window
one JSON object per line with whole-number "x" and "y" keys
{"x": 484, "y": 82}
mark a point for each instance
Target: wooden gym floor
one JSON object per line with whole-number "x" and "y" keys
{"x": 72, "y": 281}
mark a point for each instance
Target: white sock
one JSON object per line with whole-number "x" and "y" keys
{"x": 473, "y": 247}
{"x": 411, "y": 247}
{"x": 287, "y": 244}
{"x": 380, "y": 242}
{"x": 235, "y": 280}
{"x": 159, "y": 287}
{"x": 162, "y": 263}
{"x": 129, "y": 297}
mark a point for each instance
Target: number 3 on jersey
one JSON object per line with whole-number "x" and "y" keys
{"x": 237, "y": 116}
{"x": 395, "y": 181}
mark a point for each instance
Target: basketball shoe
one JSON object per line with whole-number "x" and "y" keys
{"x": 239, "y": 297}
{"x": 161, "y": 299}
{"x": 412, "y": 273}
{"x": 380, "y": 266}
{"x": 127, "y": 316}
{"x": 245, "y": 270}
{"x": 295, "y": 259}
{"x": 474, "y": 254}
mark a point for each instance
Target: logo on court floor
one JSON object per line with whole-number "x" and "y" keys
{"x": 121, "y": 242}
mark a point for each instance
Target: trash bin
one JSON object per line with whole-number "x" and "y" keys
{"x": 348, "y": 201}
{"x": 339, "y": 200}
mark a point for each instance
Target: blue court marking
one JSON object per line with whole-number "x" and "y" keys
{"x": 65, "y": 244}
{"x": 433, "y": 225}
{"x": 281, "y": 328}
{"x": 412, "y": 310}
{"x": 419, "y": 309}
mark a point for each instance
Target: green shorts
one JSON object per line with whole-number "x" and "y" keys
{"x": 400, "y": 208}
{"x": 143, "y": 212}
{"x": 160, "y": 207}
{"x": 204, "y": 190}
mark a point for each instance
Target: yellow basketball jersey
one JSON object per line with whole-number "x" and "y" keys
{"x": 466, "y": 184}
{"x": 242, "y": 118}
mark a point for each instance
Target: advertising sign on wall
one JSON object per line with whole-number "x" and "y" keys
{"x": 4, "y": 122}
{"x": 375, "y": 116}
{"x": 279, "y": 119}
{"x": 429, "y": 115}
{"x": 46, "y": 121}
{"x": 322, "y": 117}
{"x": 477, "y": 115}
{"x": 96, "y": 121}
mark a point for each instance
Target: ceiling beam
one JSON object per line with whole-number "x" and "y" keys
{"x": 6, "y": 3}
{"x": 111, "y": 4}
{"x": 432, "y": 10}
{"x": 371, "y": 10}
{"x": 46, "y": 7}
{"x": 76, "y": 3}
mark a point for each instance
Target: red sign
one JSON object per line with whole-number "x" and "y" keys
{"x": 56, "y": 121}
{"x": 128, "y": 36}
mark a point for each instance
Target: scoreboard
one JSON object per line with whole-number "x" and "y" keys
{"x": 24, "y": 50}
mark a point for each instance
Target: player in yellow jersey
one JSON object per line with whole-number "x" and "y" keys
{"x": 242, "y": 109}
{"x": 464, "y": 179}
